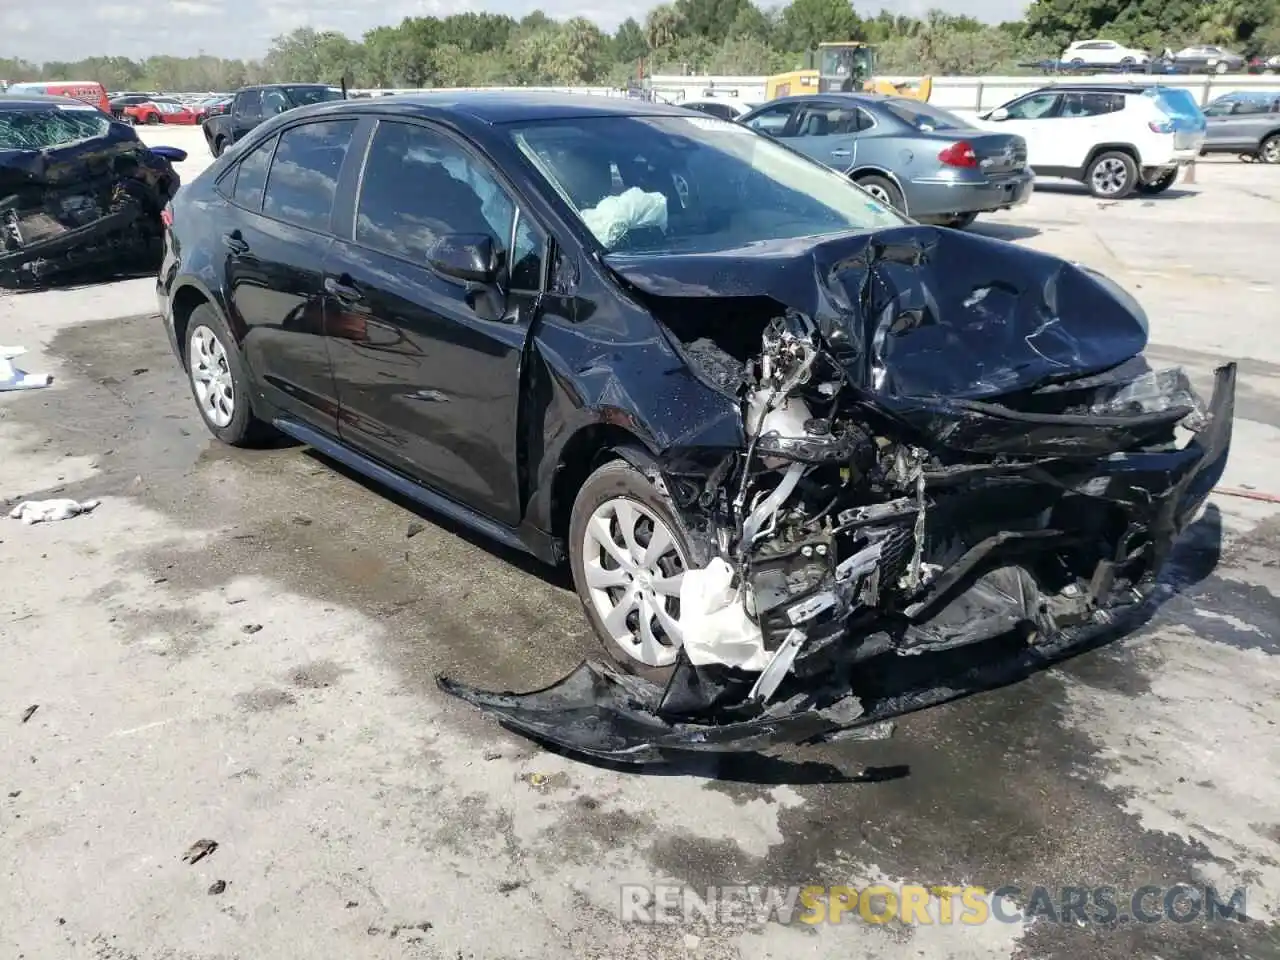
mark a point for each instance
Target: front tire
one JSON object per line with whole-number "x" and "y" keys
{"x": 628, "y": 551}
{"x": 883, "y": 189}
{"x": 219, "y": 381}
{"x": 1112, "y": 175}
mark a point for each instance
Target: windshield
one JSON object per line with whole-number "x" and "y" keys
{"x": 301, "y": 96}
{"x": 922, "y": 116}
{"x": 691, "y": 184}
{"x": 38, "y": 129}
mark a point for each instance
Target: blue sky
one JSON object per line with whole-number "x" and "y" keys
{"x": 244, "y": 28}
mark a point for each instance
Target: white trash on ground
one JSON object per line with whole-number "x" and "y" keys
{"x": 11, "y": 378}
{"x": 44, "y": 511}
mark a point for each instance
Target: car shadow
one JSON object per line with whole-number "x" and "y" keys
{"x": 558, "y": 577}
{"x": 1003, "y": 231}
{"x": 1067, "y": 188}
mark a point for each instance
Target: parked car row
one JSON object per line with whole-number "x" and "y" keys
{"x": 938, "y": 167}
{"x": 1197, "y": 58}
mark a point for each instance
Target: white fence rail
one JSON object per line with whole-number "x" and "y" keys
{"x": 964, "y": 94}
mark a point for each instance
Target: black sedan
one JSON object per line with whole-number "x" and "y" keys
{"x": 777, "y": 431}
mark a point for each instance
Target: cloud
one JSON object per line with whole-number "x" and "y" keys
{"x": 243, "y": 28}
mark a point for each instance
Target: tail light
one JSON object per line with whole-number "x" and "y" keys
{"x": 166, "y": 215}
{"x": 959, "y": 154}
{"x": 1160, "y": 127}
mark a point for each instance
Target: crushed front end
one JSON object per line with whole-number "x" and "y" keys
{"x": 899, "y": 531}
{"x": 66, "y": 207}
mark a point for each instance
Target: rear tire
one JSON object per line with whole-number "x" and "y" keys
{"x": 1160, "y": 185}
{"x": 1111, "y": 175}
{"x": 153, "y": 119}
{"x": 220, "y": 382}
{"x": 630, "y": 594}
{"x": 883, "y": 189}
{"x": 962, "y": 222}
{"x": 219, "y": 147}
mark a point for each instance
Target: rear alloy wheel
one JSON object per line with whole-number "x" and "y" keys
{"x": 1160, "y": 184}
{"x": 219, "y": 380}
{"x": 883, "y": 189}
{"x": 1112, "y": 175}
{"x": 628, "y": 551}
{"x": 1221, "y": 67}
{"x": 1269, "y": 151}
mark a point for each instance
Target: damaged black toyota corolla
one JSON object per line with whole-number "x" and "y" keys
{"x": 783, "y": 435}
{"x": 78, "y": 191}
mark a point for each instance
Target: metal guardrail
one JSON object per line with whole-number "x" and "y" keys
{"x": 965, "y": 94}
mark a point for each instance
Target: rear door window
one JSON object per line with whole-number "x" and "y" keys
{"x": 304, "y": 173}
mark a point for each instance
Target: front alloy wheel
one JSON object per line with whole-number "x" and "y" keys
{"x": 633, "y": 571}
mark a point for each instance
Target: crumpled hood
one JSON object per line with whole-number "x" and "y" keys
{"x": 922, "y": 312}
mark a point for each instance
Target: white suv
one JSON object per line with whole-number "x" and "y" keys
{"x": 1112, "y": 138}
{"x": 1103, "y": 53}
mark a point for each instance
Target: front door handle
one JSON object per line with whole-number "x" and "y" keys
{"x": 348, "y": 293}
{"x": 235, "y": 242}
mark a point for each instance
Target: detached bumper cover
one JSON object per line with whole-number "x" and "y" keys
{"x": 600, "y": 713}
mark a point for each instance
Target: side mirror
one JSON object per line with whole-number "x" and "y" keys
{"x": 172, "y": 154}
{"x": 999, "y": 113}
{"x": 469, "y": 257}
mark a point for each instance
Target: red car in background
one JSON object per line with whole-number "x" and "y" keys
{"x": 213, "y": 107}
{"x": 160, "y": 110}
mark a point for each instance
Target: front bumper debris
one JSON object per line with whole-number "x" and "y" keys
{"x": 600, "y": 713}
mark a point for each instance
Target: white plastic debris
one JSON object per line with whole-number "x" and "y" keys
{"x": 44, "y": 511}
{"x": 11, "y": 378}
{"x": 716, "y": 628}
{"x": 633, "y": 209}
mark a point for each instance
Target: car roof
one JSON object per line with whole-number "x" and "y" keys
{"x": 1137, "y": 86}
{"x": 32, "y": 101}
{"x": 500, "y": 106}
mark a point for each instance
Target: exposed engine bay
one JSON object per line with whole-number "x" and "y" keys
{"x": 890, "y": 503}
{"x": 92, "y": 203}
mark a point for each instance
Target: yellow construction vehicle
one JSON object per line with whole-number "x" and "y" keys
{"x": 844, "y": 67}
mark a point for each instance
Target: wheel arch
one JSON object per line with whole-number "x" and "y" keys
{"x": 875, "y": 170}
{"x": 589, "y": 448}
{"x": 187, "y": 297}
{"x": 1117, "y": 147}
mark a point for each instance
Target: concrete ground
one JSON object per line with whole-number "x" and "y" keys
{"x": 240, "y": 647}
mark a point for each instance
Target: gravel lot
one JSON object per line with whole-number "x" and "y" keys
{"x": 241, "y": 647}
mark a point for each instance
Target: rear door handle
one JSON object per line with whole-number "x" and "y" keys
{"x": 348, "y": 293}
{"x": 841, "y": 153}
{"x": 235, "y": 242}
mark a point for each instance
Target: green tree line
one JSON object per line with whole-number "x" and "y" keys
{"x": 716, "y": 37}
